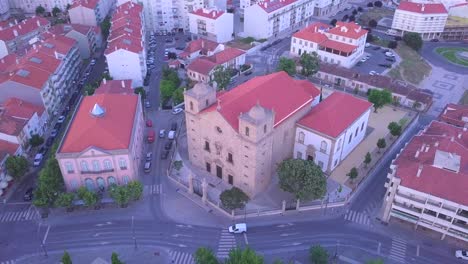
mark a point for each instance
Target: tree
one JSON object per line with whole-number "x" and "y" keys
{"x": 378, "y": 4}
{"x": 115, "y": 259}
{"x": 381, "y": 143}
{"x": 369, "y": 37}
{"x": 352, "y": 18}
{"x": 178, "y": 95}
{"x": 50, "y": 184}
{"x": 392, "y": 44}
{"x": 141, "y": 91}
{"x": 135, "y": 189}
{"x": 375, "y": 261}
{"x": 16, "y": 166}
{"x": 120, "y": 194}
{"x": 241, "y": 256}
{"x": 166, "y": 88}
{"x": 81, "y": 192}
{"x": 416, "y": 105}
{"x": 395, "y": 129}
{"x": 222, "y": 77}
{"x": 56, "y": 11}
{"x": 370, "y": 4}
{"x": 40, "y": 10}
{"x": 367, "y": 159}
{"x": 372, "y": 23}
{"x": 345, "y": 17}
{"x": 318, "y": 255}
{"x": 36, "y": 140}
{"x": 66, "y": 259}
{"x": 302, "y": 178}
{"x": 379, "y": 98}
{"x": 359, "y": 9}
{"x": 68, "y": 7}
{"x": 90, "y": 199}
{"x": 333, "y": 22}
{"x": 353, "y": 173}
{"x": 310, "y": 63}
{"x": 65, "y": 200}
{"x": 171, "y": 75}
{"x": 89, "y": 89}
{"x": 355, "y": 12}
{"x": 413, "y": 40}
{"x": 178, "y": 165}
{"x": 287, "y": 65}
{"x": 205, "y": 256}
{"x": 234, "y": 198}
{"x": 105, "y": 26}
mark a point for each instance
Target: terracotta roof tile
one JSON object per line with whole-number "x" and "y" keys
{"x": 7, "y": 148}
{"x": 422, "y": 8}
{"x": 18, "y": 108}
{"x": 24, "y": 27}
{"x": 201, "y": 65}
{"x": 115, "y": 87}
{"x": 455, "y": 114}
{"x": 340, "y": 46}
{"x": 313, "y": 32}
{"x": 211, "y": 14}
{"x": 11, "y": 126}
{"x": 92, "y": 4}
{"x": 200, "y": 44}
{"x": 225, "y": 55}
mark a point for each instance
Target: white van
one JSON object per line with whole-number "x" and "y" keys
{"x": 171, "y": 134}
{"x": 238, "y": 228}
{"x": 38, "y": 159}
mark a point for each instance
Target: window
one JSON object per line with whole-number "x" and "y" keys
{"x": 299, "y": 155}
{"x": 111, "y": 180}
{"x": 301, "y": 137}
{"x": 84, "y": 166}
{"x": 89, "y": 184}
{"x": 74, "y": 184}
{"x": 320, "y": 164}
{"x": 69, "y": 167}
{"x": 208, "y": 167}
{"x": 339, "y": 145}
{"x": 355, "y": 133}
{"x": 336, "y": 162}
{"x": 350, "y": 137}
{"x": 230, "y": 159}
{"x": 323, "y": 146}
{"x": 219, "y": 129}
{"x": 362, "y": 126}
{"x": 191, "y": 105}
{"x": 96, "y": 166}
{"x": 207, "y": 146}
{"x": 101, "y": 183}
{"x": 264, "y": 129}
{"x": 247, "y": 131}
{"x": 206, "y": 102}
{"x": 126, "y": 179}
{"x": 107, "y": 164}
{"x": 122, "y": 164}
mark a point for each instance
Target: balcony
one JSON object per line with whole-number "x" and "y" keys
{"x": 97, "y": 172}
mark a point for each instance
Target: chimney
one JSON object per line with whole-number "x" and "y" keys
{"x": 34, "y": 47}
{"x": 214, "y": 13}
{"x": 422, "y": 8}
{"x": 38, "y": 23}
{"x": 123, "y": 83}
{"x": 15, "y": 32}
{"x": 427, "y": 148}
{"x": 20, "y": 26}
{"x": 422, "y": 147}
{"x": 56, "y": 54}
{"x": 203, "y": 44}
{"x": 104, "y": 80}
{"x": 417, "y": 154}
{"x": 266, "y": 5}
{"x": 459, "y": 135}
{"x": 420, "y": 168}
{"x": 17, "y": 61}
{"x": 16, "y": 22}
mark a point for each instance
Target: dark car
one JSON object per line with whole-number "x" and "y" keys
{"x": 57, "y": 126}
{"x": 376, "y": 48}
{"x": 188, "y": 39}
{"x": 164, "y": 154}
{"x": 168, "y": 145}
{"x": 434, "y": 40}
{"x": 174, "y": 126}
{"x": 28, "y": 195}
{"x": 390, "y": 59}
{"x": 43, "y": 150}
{"x": 247, "y": 73}
{"x": 169, "y": 40}
{"x": 180, "y": 48}
{"x": 276, "y": 42}
{"x": 386, "y": 65}
{"x": 50, "y": 141}
{"x": 54, "y": 133}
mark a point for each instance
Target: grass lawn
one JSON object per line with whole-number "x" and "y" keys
{"x": 240, "y": 44}
{"x": 413, "y": 68}
{"x": 375, "y": 13}
{"x": 450, "y": 53}
{"x": 464, "y": 99}
{"x": 380, "y": 42}
{"x": 395, "y": 73}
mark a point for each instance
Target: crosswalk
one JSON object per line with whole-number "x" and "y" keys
{"x": 154, "y": 189}
{"x": 357, "y": 217}
{"x": 372, "y": 206}
{"x": 17, "y": 216}
{"x": 8, "y": 262}
{"x": 227, "y": 241}
{"x": 398, "y": 250}
{"x": 179, "y": 257}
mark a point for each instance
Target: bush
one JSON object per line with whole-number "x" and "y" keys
{"x": 378, "y": 4}
{"x": 370, "y": 4}
{"x": 372, "y": 23}
{"x": 359, "y": 9}
{"x": 413, "y": 40}
{"x": 352, "y": 18}
{"x": 392, "y": 44}
{"x": 369, "y": 38}
{"x": 333, "y": 22}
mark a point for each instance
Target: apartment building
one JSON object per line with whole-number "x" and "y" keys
{"x": 212, "y": 24}
{"x": 16, "y": 37}
{"x": 44, "y": 75}
{"x": 327, "y": 7}
{"x": 29, "y": 6}
{"x": 239, "y": 135}
{"x": 266, "y": 19}
{"x": 89, "y": 12}
{"x": 332, "y": 130}
{"x": 104, "y": 142}
{"x": 89, "y": 38}
{"x": 126, "y": 49}
{"x": 342, "y": 44}
{"x": 4, "y": 10}
{"x": 427, "y": 19}
{"x": 427, "y": 182}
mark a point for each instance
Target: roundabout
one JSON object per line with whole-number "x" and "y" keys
{"x": 455, "y": 55}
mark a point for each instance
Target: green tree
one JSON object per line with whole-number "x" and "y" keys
{"x": 40, "y": 10}
{"x": 205, "y": 256}
{"x": 222, "y": 77}
{"x": 115, "y": 259}
{"x": 36, "y": 140}
{"x": 287, "y": 65}
{"x": 135, "y": 189}
{"x": 16, "y": 166}
{"x": 413, "y": 40}
{"x": 416, "y": 105}
{"x": 81, "y": 192}
{"x": 105, "y": 26}
{"x": 120, "y": 194}
{"x": 367, "y": 159}
{"x": 310, "y": 63}
{"x": 302, "y": 178}
{"x": 378, "y": 4}
{"x": 56, "y": 11}
{"x": 394, "y": 128}
{"x": 333, "y": 22}
{"x": 234, "y": 198}
{"x": 379, "y": 98}
{"x": 369, "y": 37}
{"x": 372, "y": 23}
{"x": 50, "y": 184}
{"x": 370, "y": 4}
{"x": 355, "y": 12}
{"x": 167, "y": 88}
{"x": 178, "y": 95}
{"x": 140, "y": 90}
{"x": 375, "y": 261}
{"x": 318, "y": 255}
{"x": 90, "y": 199}
{"x": 107, "y": 76}
{"x": 392, "y": 44}
{"x": 353, "y": 173}
{"x": 178, "y": 164}
{"x": 66, "y": 259}
{"x": 89, "y": 89}
{"x": 171, "y": 75}
{"x": 65, "y": 200}
{"x": 241, "y": 256}
{"x": 381, "y": 143}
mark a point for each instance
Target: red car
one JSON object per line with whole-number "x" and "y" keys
{"x": 149, "y": 123}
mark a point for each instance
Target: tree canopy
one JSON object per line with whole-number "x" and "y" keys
{"x": 50, "y": 184}
{"x": 120, "y": 194}
{"x": 381, "y": 143}
{"x": 303, "y": 178}
{"x": 378, "y": 4}
{"x": 105, "y": 26}
{"x": 178, "y": 95}
{"x": 36, "y": 140}
{"x": 310, "y": 63}
{"x": 318, "y": 255}
{"x": 379, "y": 98}
{"x": 394, "y": 128}
{"x": 66, "y": 259}
{"x": 40, "y": 10}
{"x": 333, "y": 22}
{"x": 287, "y": 65}
{"x": 56, "y": 11}
{"x": 372, "y": 23}
{"x": 140, "y": 90}
{"x": 166, "y": 88}
{"x": 367, "y": 159}
{"x": 244, "y": 256}
{"x": 413, "y": 40}
{"x": 234, "y": 198}
{"x": 222, "y": 77}
{"x": 353, "y": 173}
{"x": 135, "y": 189}
{"x": 115, "y": 259}
{"x": 205, "y": 255}
{"x": 65, "y": 200}
{"x": 16, "y": 166}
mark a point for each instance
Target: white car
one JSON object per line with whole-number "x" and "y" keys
{"x": 175, "y": 111}
{"x": 238, "y": 228}
{"x": 461, "y": 254}
{"x": 38, "y": 159}
{"x": 363, "y": 59}
{"x": 93, "y": 61}
{"x": 162, "y": 133}
{"x": 389, "y": 54}
{"x": 367, "y": 45}
{"x": 373, "y": 73}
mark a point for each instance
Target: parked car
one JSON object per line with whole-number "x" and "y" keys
{"x": 164, "y": 154}
{"x": 61, "y": 119}
{"x": 149, "y": 123}
{"x": 168, "y": 145}
{"x": 373, "y": 73}
{"x": 376, "y": 48}
{"x": 367, "y": 45}
{"x": 149, "y": 156}
{"x": 147, "y": 104}
{"x": 180, "y": 48}
{"x": 28, "y": 195}
{"x": 147, "y": 166}
{"x": 174, "y": 126}
{"x": 434, "y": 40}
{"x": 363, "y": 60}
{"x": 150, "y": 136}
{"x": 461, "y": 254}
{"x": 38, "y": 159}
{"x": 49, "y": 141}
{"x": 176, "y": 111}
{"x": 93, "y": 62}
{"x": 54, "y": 132}
{"x": 389, "y": 54}
{"x": 385, "y": 65}
{"x": 162, "y": 133}
{"x": 57, "y": 126}
{"x": 247, "y": 73}
{"x": 238, "y": 228}
{"x": 171, "y": 134}
{"x": 390, "y": 59}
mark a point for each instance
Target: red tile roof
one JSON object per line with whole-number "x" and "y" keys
{"x": 455, "y": 114}
{"x": 335, "y": 114}
{"x": 11, "y": 126}
{"x": 18, "y": 108}
{"x": 24, "y": 27}
{"x": 201, "y": 44}
{"x": 270, "y": 6}
{"x": 268, "y": 91}
{"x": 115, "y": 87}
{"x": 225, "y": 55}
{"x": 85, "y": 3}
{"x": 125, "y": 42}
{"x": 211, "y": 14}
{"x": 112, "y": 131}
{"x": 311, "y": 33}
{"x": 320, "y": 33}
{"x": 7, "y": 148}
{"x": 62, "y": 29}
{"x": 201, "y": 65}
{"x": 348, "y": 30}
{"x": 61, "y": 44}
{"x": 443, "y": 183}
{"x": 340, "y": 46}
{"x": 426, "y": 8}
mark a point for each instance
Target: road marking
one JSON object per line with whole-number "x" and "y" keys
{"x": 8, "y": 262}
{"x": 378, "y": 248}
{"x": 245, "y": 239}
{"x": 181, "y": 257}
{"x": 46, "y": 234}
{"x": 104, "y": 224}
{"x": 288, "y": 234}
{"x": 417, "y": 250}
{"x": 180, "y": 235}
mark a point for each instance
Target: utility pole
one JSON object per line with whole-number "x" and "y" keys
{"x": 133, "y": 234}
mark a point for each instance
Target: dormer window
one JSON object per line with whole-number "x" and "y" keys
{"x": 264, "y": 129}
{"x": 247, "y": 131}
{"x": 191, "y": 105}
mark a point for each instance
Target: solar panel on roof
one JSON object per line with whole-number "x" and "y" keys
{"x": 22, "y": 73}
{"x": 49, "y": 45}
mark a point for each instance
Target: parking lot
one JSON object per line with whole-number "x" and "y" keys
{"x": 377, "y": 62}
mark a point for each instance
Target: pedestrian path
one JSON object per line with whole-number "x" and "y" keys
{"x": 357, "y": 217}
{"x": 179, "y": 257}
{"x": 17, "y": 216}
{"x": 8, "y": 262}
{"x": 227, "y": 241}
{"x": 398, "y": 250}
{"x": 154, "y": 189}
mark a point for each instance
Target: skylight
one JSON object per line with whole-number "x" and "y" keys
{"x": 129, "y": 30}
{"x": 127, "y": 41}
{"x": 49, "y": 45}
{"x": 35, "y": 60}
{"x": 22, "y": 73}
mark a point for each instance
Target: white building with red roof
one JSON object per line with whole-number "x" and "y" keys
{"x": 89, "y": 38}
{"x": 327, "y": 7}
{"x": 104, "y": 142}
{"x": 200, "y": 47}
{"x": 126, "y": 49}
{"x": 427, "y": 184}
{"x": 17, "y": 36}
{"x": 239, "y": 135}
{"x": 343, "y": 44}
{"x": 427, "y": 19}
{"x": 268, "y": 18}
{"x": 212, "y": 24}
{"x": 332, "y": 130}
{"x": 89, "y": 12}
